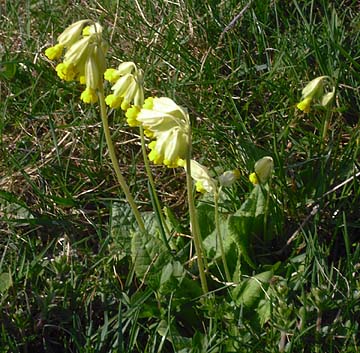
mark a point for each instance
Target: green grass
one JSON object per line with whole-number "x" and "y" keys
{"x": 67, "y": 282}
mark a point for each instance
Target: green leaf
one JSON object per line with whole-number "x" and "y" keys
{"x": 123, "y": 224}
{"x": 172, "y": 275}
{"x": 264, "y": 311}
{"x": 154, "y": 264}
{"x": 247, "y": 222}
{"x": 251, "y": 290}
{"x": 211, "y": 242}
{"x": 206, "y": 218}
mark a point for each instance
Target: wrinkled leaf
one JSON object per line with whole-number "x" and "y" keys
{"x": 123, "y": 224}
{"x": 264, "y": 311}
{"x": 172, "y": 275}
{"x": 149, "y": 256}
{"x": 252, "y": 289}
{"x": 247, "y": 222}
{"x": 206, "y": 218}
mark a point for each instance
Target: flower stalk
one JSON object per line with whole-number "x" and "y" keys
{"x": 152, "y": 184}
{"x": 114, "y": 160}
{"x": 195, "y": 230}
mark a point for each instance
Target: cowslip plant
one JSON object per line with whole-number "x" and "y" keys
{"x": 167, "y": 123}
{"x": 165, "y": 130}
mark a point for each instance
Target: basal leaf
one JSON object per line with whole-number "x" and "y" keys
{"x": 123, "y": 224}
{"x": 206, "y": 218}
{"x": 248, "y": 222}
{"x": 252, "y": 289}
{"x": 149, "y": 256}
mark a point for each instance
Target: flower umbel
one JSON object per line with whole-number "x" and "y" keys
{"x": 84, "y": 59}
{"x": 127, "y": 86}
{"x": 167, "y": 123}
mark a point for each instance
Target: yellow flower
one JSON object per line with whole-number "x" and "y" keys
{"x": 54, "y": 52}
{"x": 162, "y": 114}
{"x": 253, "y": 178}
{"x": 113, "y": 101}
{"x": 263, "y": 170}
{"x": 313, "y": 92}
{"x": 170, "y": 148}
{"x": 84, "y": 60}
{"x": 111, "y": 75}
{"x": 72, "y": 33}
{"x": 131, "y": 115}
{"x": 94, "y": 67}
{"x": 304, "y": 105}
{"x": 128, "y": 86}
{"x": 89, "y": 96}
{"x": 66, "y": 71}
{"x": 203, "y": 181}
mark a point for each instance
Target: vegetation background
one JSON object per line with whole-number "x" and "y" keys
{"x": 65, "y": 284}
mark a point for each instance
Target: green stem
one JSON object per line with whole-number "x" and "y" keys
{"x": 218, "y": 232}
{"x": 151, "y": 181}
{"x": 195, "y": 230}
{"x": 326, "y": 123}
{"x": 115, "y": 162}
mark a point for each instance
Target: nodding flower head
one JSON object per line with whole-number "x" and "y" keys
{"x": 84, "y": 59}
{"x": 128, "y": 86}
{"x": 263, "y": 170}
{"x": 203, "y": 181}
{"x": 168, "y": 125}
{"x": 162, "y": 114}
{"x": 314, "y": 92}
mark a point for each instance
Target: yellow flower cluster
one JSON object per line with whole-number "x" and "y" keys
{"x": 84, "y": 59}
{"x": 168, "y": 125}
{"x": 127, "y": 87}
{"x": 314, "y": 92}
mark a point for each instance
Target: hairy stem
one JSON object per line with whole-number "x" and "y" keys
{"x": 115, "y": 163}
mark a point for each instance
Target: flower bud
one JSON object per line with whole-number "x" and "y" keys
{"x": 229, "y": 177}
{"x": 327, "y": 98}
{"x": 72, "y": 33}
{"x": 313, "y": 92}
